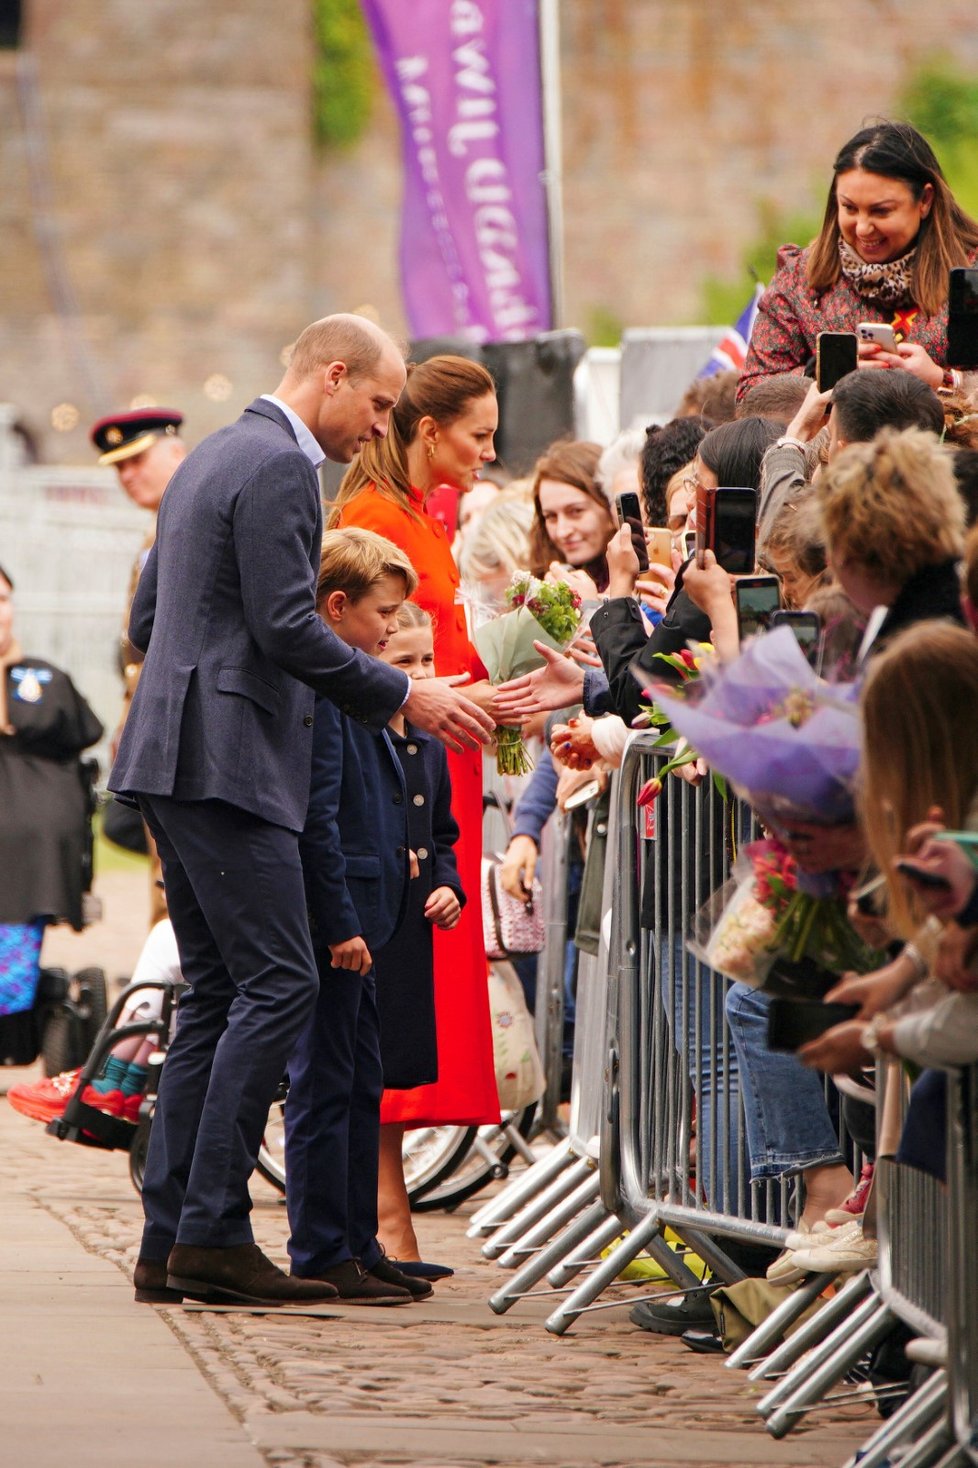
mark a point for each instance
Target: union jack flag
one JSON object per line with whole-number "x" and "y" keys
{"x": 731, "y": 350}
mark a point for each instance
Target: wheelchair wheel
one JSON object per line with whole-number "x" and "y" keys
{"x": 137, "y": 1152}
{"x": 91, "y": 1002}
{"x": 60, "y": 1042}
{"x": 486, "y": 1158}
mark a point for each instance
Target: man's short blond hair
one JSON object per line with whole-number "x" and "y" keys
{"x": 354, "y": 560}
{"x": 892, "y": 505}
{"x": 352, "y": 340}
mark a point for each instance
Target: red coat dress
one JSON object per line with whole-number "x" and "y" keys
{"x": 465, "y": 1092}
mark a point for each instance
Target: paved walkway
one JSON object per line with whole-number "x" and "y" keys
{"x": 89, "y": 1378}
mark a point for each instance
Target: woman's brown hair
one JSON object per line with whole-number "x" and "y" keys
{"x": 948, "y": 236}
{"x": 573, "y": 462}
{"x": 920, "y": 711}
{"x": 440, "y": 388}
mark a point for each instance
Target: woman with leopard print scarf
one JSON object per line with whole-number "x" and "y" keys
{"x": 891, "y": 233}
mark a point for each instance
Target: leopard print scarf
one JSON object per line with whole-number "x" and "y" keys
{"x": 888, "y": 283}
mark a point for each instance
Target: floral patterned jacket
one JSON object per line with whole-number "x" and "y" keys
{"x": 790, "y": 315}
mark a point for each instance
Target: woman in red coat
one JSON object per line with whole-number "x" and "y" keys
{"x": 441, "y": 432}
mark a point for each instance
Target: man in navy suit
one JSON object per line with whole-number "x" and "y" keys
{"x": 217, "y": 748}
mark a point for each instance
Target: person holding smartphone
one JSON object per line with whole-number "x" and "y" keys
{"x": 892, "y": 231}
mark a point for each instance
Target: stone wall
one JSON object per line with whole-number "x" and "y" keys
{"x": 165, "y": 222}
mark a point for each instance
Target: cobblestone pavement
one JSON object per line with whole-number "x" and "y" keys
{"x": 436, "y": 1384}
{"x": 440, "y": 1384}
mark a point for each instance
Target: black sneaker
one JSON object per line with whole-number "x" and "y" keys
{"x": 675, "y": 1314}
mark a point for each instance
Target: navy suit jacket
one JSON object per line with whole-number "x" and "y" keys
{"x": 354, "y": 847}
{"x": 226, "y": 611}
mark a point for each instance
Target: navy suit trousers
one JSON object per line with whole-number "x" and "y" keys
{"x": 237, "y": 902}
{"x": 332, "y": 1126}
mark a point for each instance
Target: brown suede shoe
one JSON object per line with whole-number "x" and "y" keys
{"x": 358, "y": 1286}
{"x": 388, "y": 1273}
{"x": 149, "y": 1277}
{"x": 240, "y": 1275}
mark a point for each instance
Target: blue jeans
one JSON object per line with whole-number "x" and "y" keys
{"x": 787, "y": 1120}
{"x": 712, "y": 1066}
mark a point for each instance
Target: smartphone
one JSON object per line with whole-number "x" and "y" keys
{"x": 756, "y": 598}
{"x": 687, "y": 544}
{"x": 879, "y": 332}
{"x": 791, "y": 1023}
{"x": 807, "y": 627}
{"x": 583, "y": 795}
{"x": 962, "y": 318}
{"x": 630, "y": 513}
{"x": 867, "y": 895}
{"x": 735, "y": 530}
{"x": 921, "y": 877}
{"x": 659, "y": 543}
{"x": 836, "y": 355}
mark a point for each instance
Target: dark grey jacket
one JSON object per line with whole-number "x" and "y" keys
{"x": 225, "y": 608}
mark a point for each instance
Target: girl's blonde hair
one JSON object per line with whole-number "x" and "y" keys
{"x": 920, "y": 712}
{"x": 411, "y": 616}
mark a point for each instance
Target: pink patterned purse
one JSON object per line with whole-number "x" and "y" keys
{"x": 511, "y": 928}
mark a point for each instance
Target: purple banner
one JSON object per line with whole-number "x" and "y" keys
{"x": 465, "y": 76}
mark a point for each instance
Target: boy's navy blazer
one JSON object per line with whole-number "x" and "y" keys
{"x": 354, "y": 848}
{"x": 226, "y": 610}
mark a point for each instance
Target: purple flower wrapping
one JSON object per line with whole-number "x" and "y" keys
{"x": 735, "y": 716}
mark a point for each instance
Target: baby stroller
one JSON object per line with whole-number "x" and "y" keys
{"x": 67, "y": 1010}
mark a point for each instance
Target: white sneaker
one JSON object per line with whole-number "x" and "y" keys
{"x": 849, "y": 1249}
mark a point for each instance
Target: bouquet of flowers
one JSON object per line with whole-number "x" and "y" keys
{"x": 537, "y": 611}
{"x": 790, "y": 745}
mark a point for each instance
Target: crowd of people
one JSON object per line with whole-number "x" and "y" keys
{"x": 321, "y": 850}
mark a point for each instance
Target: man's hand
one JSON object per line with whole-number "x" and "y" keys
{"x": 557, "y": 685}
{"x": 443, "y": 908}
{"x": 435, "y": 706}
{"x": 518, "y": 867}
{"x": 876, "y": 991}
{"x": 811, "y": 416}
{"x": 709, "y": 586}
{"x": 352, "y": 954}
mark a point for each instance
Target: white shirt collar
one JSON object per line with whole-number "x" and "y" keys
{"x": 304, "y": 438}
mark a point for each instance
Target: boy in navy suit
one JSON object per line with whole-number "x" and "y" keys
{"x": 356, "y": 868}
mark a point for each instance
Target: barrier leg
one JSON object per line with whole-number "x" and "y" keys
{"x": 552, "y": 1222}
{"x": 930, "y": 1448}
{"x": 871, "y": 1323}
{"x": 500, "y": 1210}
{"x": 535, "y": 1268}
{"x": 588, "y": 1253}
{"x": 916, "y": 1412}
{"x": 772, "y": 1330}
{"x": 565, "y": 1182}
{"x": 813, "y": 1330}
{"x": 646, "y": 1235}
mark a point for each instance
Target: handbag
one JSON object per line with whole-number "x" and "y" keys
{"x": 520, "y": 1079}
{"x": 511, "y": 928}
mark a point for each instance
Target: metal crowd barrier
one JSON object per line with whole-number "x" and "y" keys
{"x": 555, "y": 1221}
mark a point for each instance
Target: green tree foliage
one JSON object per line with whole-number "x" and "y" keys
{"x": 942, "y": 102}
{"x": 343, "y": 73}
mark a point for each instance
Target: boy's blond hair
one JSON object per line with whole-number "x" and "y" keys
{"x": 354, "y": 560}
